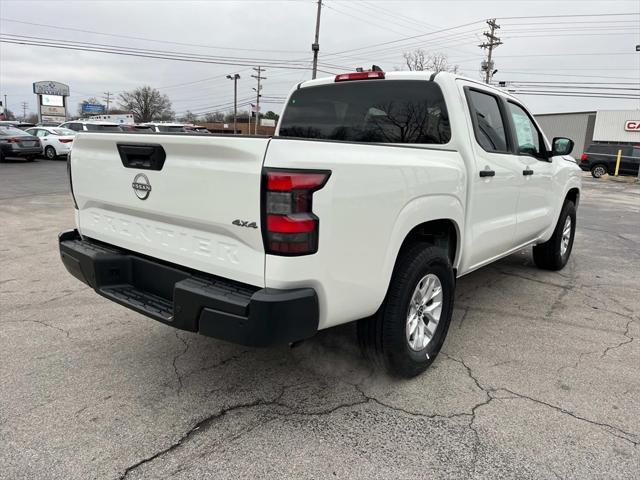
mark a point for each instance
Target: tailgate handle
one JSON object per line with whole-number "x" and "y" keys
{"x": 142, "y": 156}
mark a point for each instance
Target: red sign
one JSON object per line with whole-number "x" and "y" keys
{"x": 632, "y": 125}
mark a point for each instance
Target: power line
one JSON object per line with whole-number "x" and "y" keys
{"x": 130, "y": 37}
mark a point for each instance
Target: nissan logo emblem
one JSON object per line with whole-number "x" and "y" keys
{"x": 141, "y": 186}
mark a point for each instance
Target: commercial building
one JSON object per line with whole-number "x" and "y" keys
{"x": 585, "y": 128}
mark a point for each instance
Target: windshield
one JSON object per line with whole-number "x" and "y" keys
{"x": 63, "y": 131}
{"x": 380, "y": 111}
{"x": 171, "y": 128}
{"x": 4, "y": 130}
{"x": 93, "y": 127}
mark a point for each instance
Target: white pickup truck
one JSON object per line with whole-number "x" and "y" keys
{"x": 376, "y": 192}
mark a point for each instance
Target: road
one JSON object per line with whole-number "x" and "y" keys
{"x": 539, "y": 377}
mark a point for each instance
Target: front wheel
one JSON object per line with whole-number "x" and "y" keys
{"x": 50, "y": 153}
{"x": 410, "y": 327}
{"x": 554, "y": 254}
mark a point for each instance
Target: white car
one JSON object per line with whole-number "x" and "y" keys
{"x": 56, "y": 141}
{"x": 376, "y": 192}
{"x": 91, "y": 126}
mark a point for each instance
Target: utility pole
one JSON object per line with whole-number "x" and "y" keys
{"x": 235, "y": 78}
{"x": 315, "y": 47}
{"x": 25, "y": 105}
{"x": 107, "y": 99}
{"x": 257, "y": 90}
{"x": 6, "y": 107}
{"x": 493, "y": 42}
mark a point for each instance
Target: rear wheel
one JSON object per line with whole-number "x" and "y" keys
{"x": 50, "y": 153}
{"x": 598, "y": 170}
{"x": 554, "y": 254}
{"x": 408, "y": 331}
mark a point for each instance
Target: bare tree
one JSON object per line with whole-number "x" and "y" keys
{"x": 214, "y": 117}
{"x": 146, "y": 104}
{"x": 188, "y": 117}
{"x": 432, "y": 62}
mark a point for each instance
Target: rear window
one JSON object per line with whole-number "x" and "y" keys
{"x": 171, "y": 128}
{"x": 377, "y": 111}
{"x": 63, "y": 131}
{"x": 12, "y": 131}
{"x": 92, "y": 127}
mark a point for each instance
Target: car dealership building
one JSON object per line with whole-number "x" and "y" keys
{"x": 584, "y": 128}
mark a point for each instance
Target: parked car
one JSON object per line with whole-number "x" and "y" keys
{"x": 56, "y": 141}
{"x": 131, "y": 127}
{"x": 377, "y": 191}
{"x": 161, "y": 127}
{"x": 91, "y": 126}
{"x": 18, "y": 143}
{"x": 601, "y": 158}
{"x": 195, "y": 128}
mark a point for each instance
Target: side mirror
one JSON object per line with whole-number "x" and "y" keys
{"x": 561, "y": 146}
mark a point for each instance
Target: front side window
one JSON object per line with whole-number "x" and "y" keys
{"x": 372, "y": 111}
{"x": 527, "y": 135}
{"x": 488, "y": 122}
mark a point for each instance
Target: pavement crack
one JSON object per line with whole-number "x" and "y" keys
{"x": 175, "y": 360}
{"x": 628, "y": 340}
{"x": 199, "y": 426}
{"x": 615, "y": 431}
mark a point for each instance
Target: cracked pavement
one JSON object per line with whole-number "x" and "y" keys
{"x": 539, "y": 376}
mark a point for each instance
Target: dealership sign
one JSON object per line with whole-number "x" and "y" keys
{"x": 632, "y": 126}
{"x": 51, "y": 88}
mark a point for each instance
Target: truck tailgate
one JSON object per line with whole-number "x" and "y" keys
{"x": 185, "y": 215}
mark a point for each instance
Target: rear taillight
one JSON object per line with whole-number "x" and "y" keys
{"x": 65, "y": 140}
{"x": 344, "y": 77}
{"x": 289, "y": 225}
{"x": 13, "y": 140}
{"x": 583, "y": 157}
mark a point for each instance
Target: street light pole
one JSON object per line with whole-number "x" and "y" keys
{"x": 235, "y": 78}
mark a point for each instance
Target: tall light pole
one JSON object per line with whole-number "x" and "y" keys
{"x": 235, "y": 78}
{"x": 316, "y": 46}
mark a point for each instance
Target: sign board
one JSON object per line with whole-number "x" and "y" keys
{"x": 57, "y": 111}
{"x": 49, "y": 87}
{"x": 632, "y": 126}
{"x": 93, "y": 108}
{"x": 267, "y": 122}
{"x": 52, "y": 100}
{"x": 53, "y": 119}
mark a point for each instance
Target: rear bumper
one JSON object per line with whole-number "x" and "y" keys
{"x": 189, "y": 300}
{"x": 22, "y": 152}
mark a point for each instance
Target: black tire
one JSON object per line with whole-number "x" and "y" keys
{"x": 549, "y": 255}
{"x": 1, "y": 157}
{"x": 50, "y": 153}
{"x": 383, "y": 337}
{"x": 598, "y": 170}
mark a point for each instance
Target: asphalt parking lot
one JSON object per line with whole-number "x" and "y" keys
{"x": 539, "y": 377}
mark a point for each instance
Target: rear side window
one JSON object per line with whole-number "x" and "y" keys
{"x": 376, "y": 111}
{"x": 92, "y": 127}
{"x": 488, "y": 123}
{"x": 606, "y": 149}
{"x": 171, "y": 128}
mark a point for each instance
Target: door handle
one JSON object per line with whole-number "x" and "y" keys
{"x": 487, "y": 173}
{"x": 527, "y": 172}
{"x": 142, "y": 156}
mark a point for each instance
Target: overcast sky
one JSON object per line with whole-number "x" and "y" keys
{"x": 560, "y": 49}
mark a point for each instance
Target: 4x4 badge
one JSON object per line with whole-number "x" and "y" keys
{"x": 244, "y": 223}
